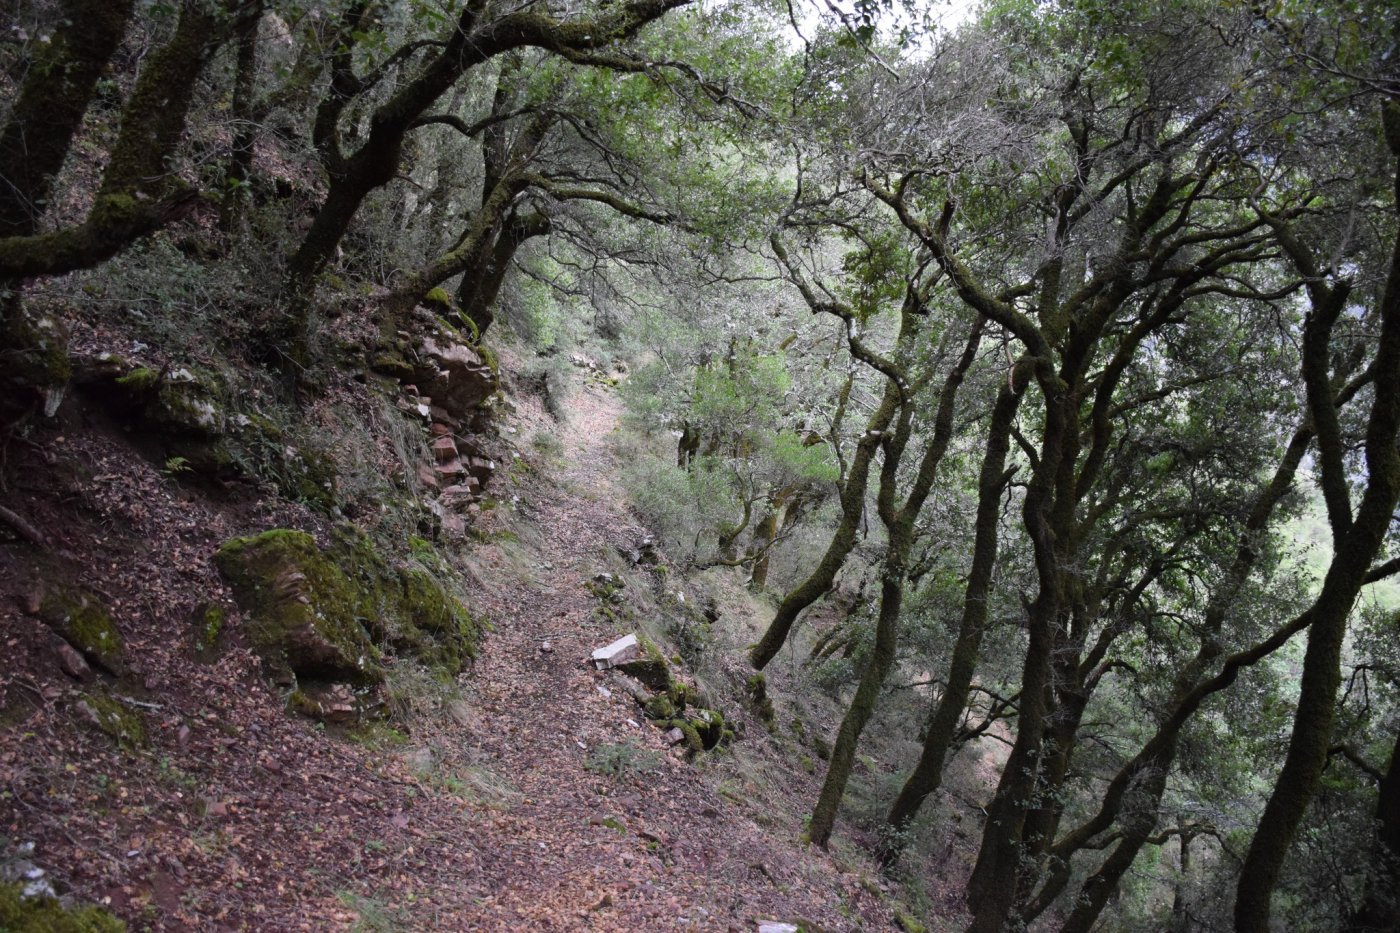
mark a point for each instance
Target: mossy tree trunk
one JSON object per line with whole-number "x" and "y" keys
{"x": 927, "y": 775}
{"x": 1357, "y": 540}
{"x": 477, "y": 293}
{"x": 245, "y": 131}
{"x": 843, "y": 540}
{"x": 138, "y": 193}
{"x": 1380, "y": 909}
{"x": 899, "y": 519}
{"x": 50, "y": 107}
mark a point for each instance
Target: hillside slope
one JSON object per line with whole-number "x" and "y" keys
{"x": 184, "y": 795}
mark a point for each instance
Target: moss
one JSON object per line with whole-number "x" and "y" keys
{"x": 142, "y": 380}
{"x": 123, "y": 725}
{"x": 392, "y": 365}
{"x": 304, "y": 613}
{"x": 660, "y": 707}
{"x": 36, "y": 348}
{"x": 693, "y": 741}
{"x": 908, "y": 924}
{"x": 318, "y": 614}
{"x": 455, "y": 633}
{"x": 46, "y": 915}
{"x": 808, "y": 764}
{"x": 651, "y": 668}
{"x": 83, "y": 621}
{"x": 438, "y": 297}
{"x": 208, "y": 623}
{"x": 489, "y": 357}
{"x": 761, "y": 702}
{"x": 309, "y": 478}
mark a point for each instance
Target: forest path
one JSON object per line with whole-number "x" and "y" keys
{"x": 657, "y": 847}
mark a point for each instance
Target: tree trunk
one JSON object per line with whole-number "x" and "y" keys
{"x": 1358, "y": 541}
{"x": 842, "y": 541}
{"x": 1381, "y": 908}
{"x": 477, "y": 292}
{"x": 927, "y": 776}
{"x": 245, "y": 130}
{"x": 877, "y": 668}
{"x": 51, "y": 105}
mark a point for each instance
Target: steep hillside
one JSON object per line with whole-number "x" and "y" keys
{"x": 153, "y": 762}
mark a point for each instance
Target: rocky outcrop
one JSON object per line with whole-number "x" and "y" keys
{"x": 457, "y": 377}
{"x": 320, "y": 618}
{"x": 640, "y": 670}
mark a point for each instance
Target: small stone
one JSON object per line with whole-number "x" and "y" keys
{"x": 182, "y": 738}
{"x": 604, "y": 691}
{"x": 438, "y": 429}
{"x": 674, "y": 736}
{"x": 546, "y": 647}
{"x": 427, "y": 477}
{"x": 72, "y": 662}
{"x": 773, "y": 926}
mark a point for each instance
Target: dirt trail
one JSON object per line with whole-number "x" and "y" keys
{"x": 673, "y": 853}
{"x": 229, "y": 814}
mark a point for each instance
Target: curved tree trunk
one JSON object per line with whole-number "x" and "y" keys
{"x": 927, "y": 776}
{"x": 1358, "y": 540}
{"x": 842, "y": 541}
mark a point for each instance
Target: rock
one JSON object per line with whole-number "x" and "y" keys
{"x": 624, "y": 649}
{"x": 72, "y": 663}
{"x": 674, "y": 736}
{"x": 421, "y": 760}
{"x": 444, "y": 449}
{"x": 81, "y": 619}
{"x": 546, "y": 648}
{"x": 774, "y": 926}
{"x": 451, "y": 469}
{"x": 303, "y": 611}
{"x": 456, "y": 376}
{"x": 428, "y": 477}
{"x": 333, "y": 703}
{"x": 110, "y": 716}
{"x": 438, "y": 429}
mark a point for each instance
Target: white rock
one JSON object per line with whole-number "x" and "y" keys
{"x": 773, "y": 926}
{"x": 624, "y": 649}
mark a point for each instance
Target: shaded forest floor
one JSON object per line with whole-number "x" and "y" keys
{"x": 524, "y": 798}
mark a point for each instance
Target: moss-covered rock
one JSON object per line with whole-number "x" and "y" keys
{"x": 453, "y": 631}
{"x": 84, "y": 622}
{"x": 651, "y": 668}
{"x": 660, "y": 708}
{"x": 392, "y": 365}
{"x": 324, "y": 615}
{"x": 122, "y": 724}
{"x": 46, "y": 915}
{"x": 762, "y": 703}
{"x": 304, "y": 614}
{"x": 36, "y": 356}
{"x": 207, "y": 624}
{"x": 710, "y": 726}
